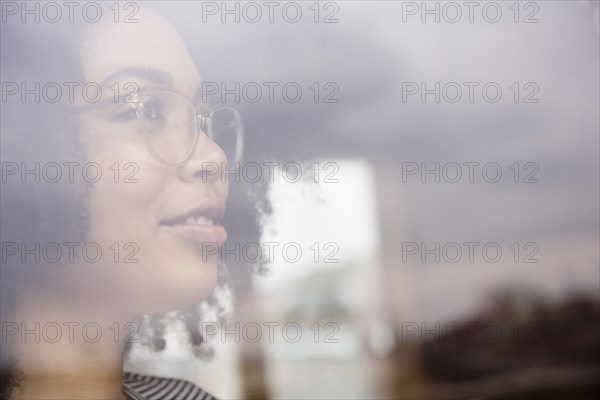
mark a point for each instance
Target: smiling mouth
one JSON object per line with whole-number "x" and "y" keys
{"x": 200, "y": 223}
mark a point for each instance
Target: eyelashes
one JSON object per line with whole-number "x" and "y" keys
{"x": 151, "y": 111}
{"x": 126, "y": 115}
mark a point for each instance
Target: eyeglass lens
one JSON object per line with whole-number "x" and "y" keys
{"x": 170, "y": 124}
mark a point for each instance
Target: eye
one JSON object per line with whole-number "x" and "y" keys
{"x": 128, "y": 114}
{"x": 151, "y": 110}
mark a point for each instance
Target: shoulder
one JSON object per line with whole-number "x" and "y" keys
{"x": 147, "y": 387}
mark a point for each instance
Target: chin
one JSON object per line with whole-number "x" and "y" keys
{"x": 180, "y": 286}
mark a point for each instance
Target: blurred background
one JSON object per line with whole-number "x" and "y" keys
{"x": 387, "y": 300}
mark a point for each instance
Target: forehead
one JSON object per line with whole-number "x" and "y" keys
{"x": 150, "y": 44}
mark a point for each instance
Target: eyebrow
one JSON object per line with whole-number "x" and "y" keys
{"x": 155, "y": 76}
{"x": 152, "y": 75}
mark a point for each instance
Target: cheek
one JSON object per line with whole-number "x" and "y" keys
{"x": 129, "y": 182}
{"x": 161, "y": 273}
{"x": 122, "y": 201}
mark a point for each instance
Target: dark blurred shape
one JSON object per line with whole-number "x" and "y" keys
{"x": 545, "y": 351}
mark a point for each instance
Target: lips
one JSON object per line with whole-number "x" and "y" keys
{"x": 199, "y": 223}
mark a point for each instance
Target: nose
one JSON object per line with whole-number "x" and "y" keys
{"x": 206, "y": 163}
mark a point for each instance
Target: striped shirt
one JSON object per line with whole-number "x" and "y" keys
{"x": 145, "y": 387}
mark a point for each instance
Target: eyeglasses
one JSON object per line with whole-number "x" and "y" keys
{"x": 171, "y": 125}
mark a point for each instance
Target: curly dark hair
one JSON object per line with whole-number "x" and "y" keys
{"x": 36, "y": 212}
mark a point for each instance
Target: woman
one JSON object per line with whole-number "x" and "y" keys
{"x": 132, "y": 231}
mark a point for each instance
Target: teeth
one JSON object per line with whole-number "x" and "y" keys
{"x": 199, "y": 221}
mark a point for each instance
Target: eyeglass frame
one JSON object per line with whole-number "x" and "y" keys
{"x": 203, "y": 119}
{"x": 133, "y": 100}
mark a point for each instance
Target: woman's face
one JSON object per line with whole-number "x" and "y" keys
{"x": 148, "y": 220}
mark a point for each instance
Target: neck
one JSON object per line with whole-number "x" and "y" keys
{"x": 66, "y": 352}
